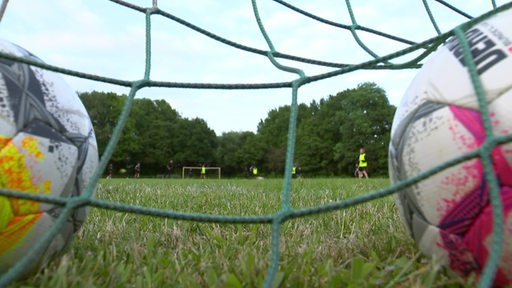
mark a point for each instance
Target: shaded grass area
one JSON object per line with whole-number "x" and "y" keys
{"x": 362, "y": 246}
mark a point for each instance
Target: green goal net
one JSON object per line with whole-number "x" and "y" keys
{"x": 414, "y": 53}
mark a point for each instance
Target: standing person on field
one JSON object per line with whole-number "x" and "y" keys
{"x": 203, "y": 172}
{"x": 169, "y": 166}
{"x": 137, "y": 170}
{"x": 363, "y": 165}
{"x": 110, "y": 168}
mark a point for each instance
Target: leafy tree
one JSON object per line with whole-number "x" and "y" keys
{"x": 365, "y": 120}
{"x": 316, "y": 138}
{"x": 237, "y": 151}
{"x": 153, "y": 134}
{"x": 195, "y": 142}
{"x": 104, "y": 110}
{"x": 154, "y": 130}
{"x": 329, "y": 135}
{"x": 274, "y": 128}
{"x": 228, "y": 152}
{"x": 273, "y": 132}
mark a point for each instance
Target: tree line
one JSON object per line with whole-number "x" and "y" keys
{"x": 329, "y": 135}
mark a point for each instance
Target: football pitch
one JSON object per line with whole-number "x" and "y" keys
{"x": 360, "y": 246}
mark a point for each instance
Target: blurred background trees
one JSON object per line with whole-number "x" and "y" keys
{"x": 329, "y": 135}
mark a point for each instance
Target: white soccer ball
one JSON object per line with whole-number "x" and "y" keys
{"x": 449, "y": 214}
{"x": 47, "y": 146}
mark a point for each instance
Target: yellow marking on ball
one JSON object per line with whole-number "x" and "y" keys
{"x": 17, "y": 216}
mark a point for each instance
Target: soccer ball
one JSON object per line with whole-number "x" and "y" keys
{"x": 47, "y": 147}
{"x": 449, "y": 214}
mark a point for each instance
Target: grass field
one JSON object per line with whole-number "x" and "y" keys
{"x": 362, "y": 246}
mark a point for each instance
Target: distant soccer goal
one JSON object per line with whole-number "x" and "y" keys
{"x": 195, "y": 172}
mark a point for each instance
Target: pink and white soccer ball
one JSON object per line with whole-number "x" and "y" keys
{"x": 449, "y": 214}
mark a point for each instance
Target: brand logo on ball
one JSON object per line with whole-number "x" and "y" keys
{"x": 485, "y": 51}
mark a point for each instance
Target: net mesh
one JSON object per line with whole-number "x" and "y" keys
{"x": 422, "y": 50}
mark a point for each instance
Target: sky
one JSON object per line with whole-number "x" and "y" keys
{"x": 103, "y": 38}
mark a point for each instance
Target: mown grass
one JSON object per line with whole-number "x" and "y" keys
{"x": 362, "y": 246}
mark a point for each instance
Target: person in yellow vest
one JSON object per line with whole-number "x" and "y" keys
{"x": 294, "y": 171}
{"x": 255, "y": 171}
{"x": 203, "y": 172}
{"x": 362, "y": 165}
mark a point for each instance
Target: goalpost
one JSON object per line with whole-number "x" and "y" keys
{"x": 188, "y": 171}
